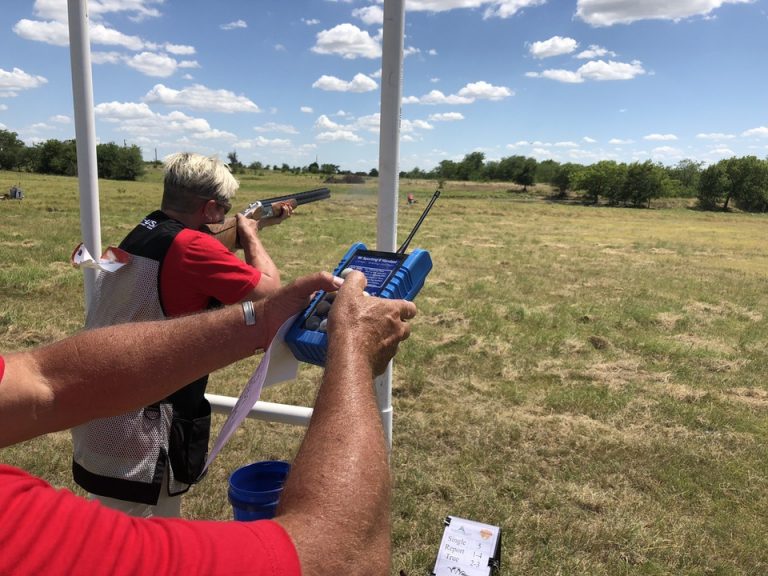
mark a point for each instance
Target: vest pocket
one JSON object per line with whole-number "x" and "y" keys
{"x": 188, "y": 445}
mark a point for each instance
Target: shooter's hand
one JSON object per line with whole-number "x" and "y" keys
{"x": 283, "y": 210}
{"x": 370, "y": 326}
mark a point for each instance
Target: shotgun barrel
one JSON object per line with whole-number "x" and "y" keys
{"x": 226, "y": 231}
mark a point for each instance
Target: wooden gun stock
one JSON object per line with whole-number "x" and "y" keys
{"x": 226, "y": 231}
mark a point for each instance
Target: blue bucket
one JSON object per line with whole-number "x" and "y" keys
{"x": 254, "y": 490}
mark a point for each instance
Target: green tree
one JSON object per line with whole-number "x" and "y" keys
{"x": 329, "y": 169}
{"x": 686, "y": 174}
{"x": 526, "y": 175}
{"x": 563, "y": 177}
{"x": 749, "y": 183}
{"x": 471, "y": 167}
{"x": 605, "y": 178}
{"x": 446, "y": 170}
{"x": 235, "y": 165}
{"x": 56, "y": 157}
{"x": 547, "y": 170}
{"x": 643, "y": 182}
{"x": 12, "y": 151}
{"x": 713, "y": 187}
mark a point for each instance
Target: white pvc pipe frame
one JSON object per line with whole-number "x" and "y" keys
{"x": 389, "y": 150}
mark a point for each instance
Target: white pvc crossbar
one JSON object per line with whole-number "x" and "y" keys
{"x": 284, "y": 413}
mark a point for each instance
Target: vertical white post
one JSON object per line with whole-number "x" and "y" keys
{"x": 85, "y": 135}
{"x": 389, "y": 153}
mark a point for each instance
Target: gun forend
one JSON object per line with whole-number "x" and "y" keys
{"x": 296, "y": 199}
{"x": 226, "y": 231}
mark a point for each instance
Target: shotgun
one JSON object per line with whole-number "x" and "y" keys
{"x": 226, "y": 231}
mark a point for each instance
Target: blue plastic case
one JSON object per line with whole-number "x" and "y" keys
{"x": 390, "y": 275}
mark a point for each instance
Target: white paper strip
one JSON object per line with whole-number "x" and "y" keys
{"x": 111, "y": 260}
{"x": 277, "y": 365}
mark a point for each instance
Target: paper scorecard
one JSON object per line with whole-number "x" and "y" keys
{"x": 110, "y": 261}
{"x": 468, "y": 548}
{"x": 277, "y": 365}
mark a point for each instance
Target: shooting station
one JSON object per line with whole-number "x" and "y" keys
{"x": 386, "y": 230}
{"x": 401, "y": 275}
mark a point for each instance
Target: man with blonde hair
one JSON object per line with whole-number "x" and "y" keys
{"x": 142, "y": 461}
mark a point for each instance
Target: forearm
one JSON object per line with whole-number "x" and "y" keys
{"x": 110, "y": 370}
{"x": 343, "y": 459}
{"x": 257, "y": 256}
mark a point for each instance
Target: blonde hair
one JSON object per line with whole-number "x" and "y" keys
{"x": 190, "y": 177}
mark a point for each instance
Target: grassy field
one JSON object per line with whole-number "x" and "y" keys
{"x": 590, "y": 379}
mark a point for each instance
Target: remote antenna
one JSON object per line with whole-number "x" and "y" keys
{"x": 403, "y": 248}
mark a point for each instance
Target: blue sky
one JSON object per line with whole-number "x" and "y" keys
{"x": 294, "y": 81}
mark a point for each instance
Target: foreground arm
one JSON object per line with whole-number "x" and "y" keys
{"x": 103, "y": 372}
{"x": 335, "y": 504}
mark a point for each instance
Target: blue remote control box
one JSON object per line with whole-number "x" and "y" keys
{"x": 392, "y": 275}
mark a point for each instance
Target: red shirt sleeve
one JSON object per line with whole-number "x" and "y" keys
{"x": 2, "y": 368}
{"x": 197, "y": 268}
{"x": 54, "y": 532}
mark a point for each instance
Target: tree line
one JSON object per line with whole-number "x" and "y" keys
{"x": 733, "y": 182}
{"x": 740, "y": 182}
{"x": 60, "y": 158}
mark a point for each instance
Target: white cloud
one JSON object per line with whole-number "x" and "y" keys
{"x": 106, "y": 58}
{"x": 555, "y": 46}
{"x": 484, "y": 91}
{"x": 60, "y": 119}
{"x": 595, "y": 51}
{"x": 50, "y": 32}
{"x": 760, "y": 132}
{"x": 447, "y": 117}
{"x": 3, "y": 107}
{"x": 589, "y": 140}
{"x": 274, "y": 127}
{"x": 619, "y": 141}
{"x": 100, "y": 34}
{"x": 437, "y": 97}
{"x": 152, "y": 64}
{"x": 261, "y": 142}
{"x": 234, "y": 25}
{"x": 410, "y": 126}
{"x": 343, "y": 135}
{"x": 597, "y": 70}
{"x": 138, "y": 120}
{"x": 608, "y": 13}
{"x": 311, "y": 21}
{"x": 601, "y": 70}
{"x": 307, "y": 109}
{"x": 179, "y": 49}
{"x": 666, "y": 153}
{"x": 360, "y": 83}
{"x": 325, "y": 123}
{"x": 493, "y": 8}
{"x": 566, "y": 144}
{"x": 347, "y": 41}
{"x": 199, "y": 97}
{"x": 660, "y": 137}
{"x": 15, "y": 80}
{"x": 715, "y": 136}
{"x": 558, "y": 75}
{"x": 370, "y": 15}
